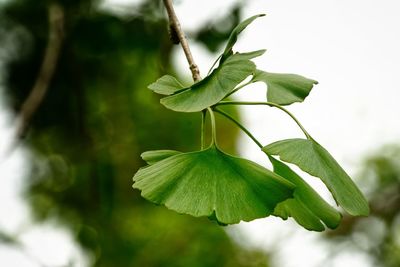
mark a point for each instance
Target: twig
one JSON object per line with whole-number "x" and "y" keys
{"x": 174, "y": 22}
{"x": 39, "y": 90}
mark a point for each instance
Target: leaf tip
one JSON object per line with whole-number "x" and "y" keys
{"x": 365, "y": 211}
{"x": 151, "y": 86}
{"x": 262, "y": 51}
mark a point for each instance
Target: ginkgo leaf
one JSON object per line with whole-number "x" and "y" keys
{"x": 213, "y": 184}
{"x": 166, "y": 85}
{"x": 234, "y": 35}
{"x": 312, "y": 158}
{"x": 307, "y": 207}
{"x": 154, "y": 156}
{"x": 249, "y": 55}
{"x": 284, "y": 89}
{"x": 214, "y": 87}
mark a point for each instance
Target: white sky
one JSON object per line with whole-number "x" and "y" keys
{"x": 351, "y": 47}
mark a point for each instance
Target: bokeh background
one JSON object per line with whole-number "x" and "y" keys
{"x": 65, "y": 190}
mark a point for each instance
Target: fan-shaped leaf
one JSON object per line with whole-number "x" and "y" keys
{"x": 206, "y": 182}
{"x": 285, "y": 89}
{"x": 234, "y": 35}
{"x": 307, "y": 207}
{"x": 166, "y": 85}
{"x": 214, "y": 87}
{"x": 312, "y": 158}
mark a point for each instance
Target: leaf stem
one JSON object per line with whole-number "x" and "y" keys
{"x": 213, "y": 126}
{"x": 174, "y": 22}
{"x": 203, "y": 128}
{"x": 271, "y": 105}
{"x": 238, "y": 88}
{"x": 240, "y": 126}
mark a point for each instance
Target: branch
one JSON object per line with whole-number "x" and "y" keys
{"x": 39, "y": 90}
{"x": 174, "y": 23}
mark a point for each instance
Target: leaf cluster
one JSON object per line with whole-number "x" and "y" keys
{"x": 229, "y": 189}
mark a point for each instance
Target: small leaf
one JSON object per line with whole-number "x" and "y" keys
{"x": 206, "y": 182}
{"x": 285, "y": 89}
{"x": 307, "y": 207}
{"x": 249, "y": 55}
{"x": 154, "y": 156}
{"x": 312, "y": 158}
{"x": 166, "y": 85}
{"x": 234, "y": 35}
{"x": 214, "y": 87}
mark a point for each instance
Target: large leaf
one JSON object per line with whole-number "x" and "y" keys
{"x": 285, "y": 89}
{"x": 234, "y": 35}
{"x": 307, "y": 207}
{"x": 312, "y": 158}
{"x": 166, "y": 85}
{"x": 214, "y": 87}
{"x": 213, "y": 184}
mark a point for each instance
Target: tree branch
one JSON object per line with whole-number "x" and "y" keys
{"x": 174, "y": 23}
{"x": 39, "y": 90}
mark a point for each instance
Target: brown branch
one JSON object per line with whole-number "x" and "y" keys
{"x": 40, "y": 88}
{"x": 174, "y": 23}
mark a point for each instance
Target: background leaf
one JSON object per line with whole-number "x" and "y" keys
{"x": 210, "y": 181}
{"x": 312, "y": 158}
{"x": 307, "y": 207}
{"x": 285, "y": 89}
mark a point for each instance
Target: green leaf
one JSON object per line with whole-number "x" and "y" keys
{"x": 206, "y": 182}
{"x": 214, "y": 87}
{"x": 234, "y": 35}
{"x": 249, "y": 55}
{"x": 154, "y": 156}
{"x": 307, "y": 207}
{"x": 285, "y": 89}
{"x": 166, "y": 85}
{"x": 312, "y": 158}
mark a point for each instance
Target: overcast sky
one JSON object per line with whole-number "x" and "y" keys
{"x": 351, "y": 47}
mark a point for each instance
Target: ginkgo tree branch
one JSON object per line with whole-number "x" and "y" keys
{"x": 39, "y": 90}
{"x": 176, "y": 26}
